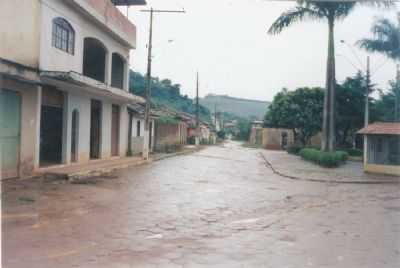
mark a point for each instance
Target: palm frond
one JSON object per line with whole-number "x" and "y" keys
{"x": 373, "y": 45}
{"x": 386, "y": 39}
{"x": 379, "y": 3}
{"x": 294, "y": 15}
{"x": 383, "y": 27}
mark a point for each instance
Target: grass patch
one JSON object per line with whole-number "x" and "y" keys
{"x": 253, "y": 146}
{"x": 325, "y": 159}
{"x": 26, "y": 199}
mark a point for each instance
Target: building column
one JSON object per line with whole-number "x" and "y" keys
{"x": 105, "y": 144}
{"x": 365, "y": 151}
{"x": 66, "y": 133}
{"x": 123, "y": 130}
{"x": 38, "y": 122}
{"x": 126, "y": 76}
{"x": 108, "y": 70}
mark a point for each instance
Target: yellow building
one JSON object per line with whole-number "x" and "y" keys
{"x": 382, "y": 148}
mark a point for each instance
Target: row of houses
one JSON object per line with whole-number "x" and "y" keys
{"x": 170, "y": 130}
{"x": 64, "y": 81}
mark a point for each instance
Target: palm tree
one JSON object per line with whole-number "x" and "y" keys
{"x": 330, "y": 11}
{"x": 386, "y": 40}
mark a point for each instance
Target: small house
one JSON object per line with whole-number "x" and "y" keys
{"x": 271, "y": 138}
{"x": 382, "y": 148}
{"x": 170, "y": 132}
{"x": 136, "y": 130}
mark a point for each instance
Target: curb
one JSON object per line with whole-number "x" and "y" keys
{"x": 105, "y": 171}
{"x": 185, "y": 152}
{"x": 268, "y": 164}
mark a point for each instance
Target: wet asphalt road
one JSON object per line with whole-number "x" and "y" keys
{"x": 220, "y": 207}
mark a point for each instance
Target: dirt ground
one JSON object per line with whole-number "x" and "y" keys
{"x": 220, "y": 207}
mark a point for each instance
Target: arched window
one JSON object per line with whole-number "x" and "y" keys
{"x": 94, "y": 59}
{"x": 117, "y": 72}
{"x": 63, "y": 35}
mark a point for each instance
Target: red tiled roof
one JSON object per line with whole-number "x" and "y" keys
{"x": 381, "y": 129}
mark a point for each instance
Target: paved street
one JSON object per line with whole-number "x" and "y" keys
{"x": 220, "y": 207}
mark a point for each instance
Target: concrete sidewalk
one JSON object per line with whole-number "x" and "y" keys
{"x": 91, "y": 169}
{"x": 293, "y": 167}
{"x": 103, "y": 167}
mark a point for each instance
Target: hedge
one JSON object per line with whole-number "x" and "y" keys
{"x": 354, "y": 152}
{"x": 294, "y": 149}
{"x": 325, "y": 159}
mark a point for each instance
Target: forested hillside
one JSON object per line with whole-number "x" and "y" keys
{"x": 166, "y": 93}
{"x": 251, "y": 109}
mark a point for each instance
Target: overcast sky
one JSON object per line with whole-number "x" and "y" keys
{"x": 227, "y": 42}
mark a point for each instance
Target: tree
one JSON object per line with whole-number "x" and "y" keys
{"x": 350, "y": 97}
{"x": 299, "y": 110}
{"x": 166, "y": 93}
{"x": 330, "y": 11}
{"x": 386, "y": 105}
{"x": 243, "y": 126}
{"x": 386, "y": 40}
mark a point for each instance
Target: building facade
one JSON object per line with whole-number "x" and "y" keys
{"x": 271, "y": 138}
{"x": 170, "y": 135}
{"x": 137, "y": 130}
{"x": 382, "y": 148}
{"x": 64, "y": 77}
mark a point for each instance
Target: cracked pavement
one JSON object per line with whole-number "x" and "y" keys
{"x": 220, "y": 207}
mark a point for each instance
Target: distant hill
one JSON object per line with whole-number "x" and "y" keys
{"x": 166, "y": 93}
{"x": 253, "y": 109}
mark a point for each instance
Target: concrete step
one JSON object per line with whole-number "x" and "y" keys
{"x": 94, "y": 168}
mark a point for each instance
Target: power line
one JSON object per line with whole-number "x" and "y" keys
{"x": 148, "y": 78}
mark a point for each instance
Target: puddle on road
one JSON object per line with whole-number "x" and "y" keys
{"x": 156, "y": 236}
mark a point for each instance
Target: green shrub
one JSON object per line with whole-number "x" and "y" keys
{"x": 342, "y": 155}
{"x": 325, "y": 159}
{"x": 355, "y": 152}
{"x": 294, "y": 149}
{"x": 221, "y": 134}
{"x": 329, "y": 159}
{"x": 310, "y": 154}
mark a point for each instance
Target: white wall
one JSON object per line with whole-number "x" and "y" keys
{"x": 134, "y": 124}
{"x": 123, "y": 130}
{"x": 134, "y": 129}
{"x": 19, "y": 34}
{"x": 54, "y": 59}
{"x": 82, "y": 103}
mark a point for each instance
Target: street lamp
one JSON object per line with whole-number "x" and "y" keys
{"x": 367, "y": 80}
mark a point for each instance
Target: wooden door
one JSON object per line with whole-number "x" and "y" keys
{"x": 74, "y": 136}
{"x": 115, "y": 131}
{"x": 95, "y": 129}
{"x": 10, "y": 121}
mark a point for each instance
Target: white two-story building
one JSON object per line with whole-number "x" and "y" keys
{"x": 64, "y": 78}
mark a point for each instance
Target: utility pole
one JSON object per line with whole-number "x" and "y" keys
{"x": 368, "y": 89}
{"x": 396, "y": 95}
{"x": 215, "y": 116}
{"x": 197, "y": 112}
{"x": 146, "y": 140}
